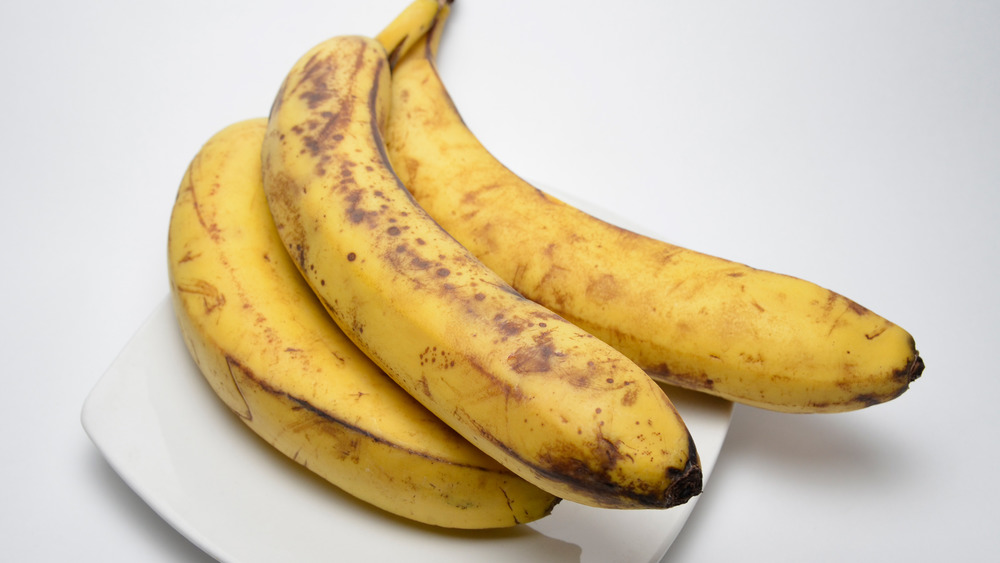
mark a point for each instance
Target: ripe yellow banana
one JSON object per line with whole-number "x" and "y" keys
{"x": 689, "y": 319}
{"x": 551, "y": 402}
{"x": 268, "y": 348}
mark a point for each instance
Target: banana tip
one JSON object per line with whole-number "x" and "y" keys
{"x": 685, "y": 483}
{"x": 914, "y": 369}
{"x": 685, "y": 487}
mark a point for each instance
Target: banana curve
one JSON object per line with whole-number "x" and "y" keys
{"x": 551, "y": 402}
{"x": 689, "y": 319}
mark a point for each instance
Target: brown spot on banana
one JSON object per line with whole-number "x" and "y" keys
{"x": 603, "y": 288}
{"x": 876, "y": 333}
{"x": 536, "y": 358}
{"x": 857, "y": 308}
{"x": 212, "y": 298}
{"x": 629, "y": 398}
{"x": 511, "y": 327}
{"x": 188, "y": 190}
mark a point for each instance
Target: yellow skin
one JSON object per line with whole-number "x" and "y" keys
{"x": 554, "y": 404}
{"x": 691, "y": 320}
{"x": 409, "y": 27}
{"x": 268, "y": 348}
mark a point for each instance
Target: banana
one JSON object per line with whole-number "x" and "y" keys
{"x": 689, "y": 319}
{"x": 409, "y": 27}
{"x": 269, "y": 350}
{"x": 551, "y": 402}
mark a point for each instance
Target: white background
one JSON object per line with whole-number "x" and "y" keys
{"x": 852, "y": 143}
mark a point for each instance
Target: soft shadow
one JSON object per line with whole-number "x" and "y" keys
{"x": 821, "y": 445}
{"x": 157, "y": 531}
{"x": 695, "y": 400}
{"x": 809, "y": 451}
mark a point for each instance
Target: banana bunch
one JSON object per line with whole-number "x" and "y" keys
{"x": 689, "y": 319}
{"x": 269, "y": 350}
{"x": 379, "y": 299}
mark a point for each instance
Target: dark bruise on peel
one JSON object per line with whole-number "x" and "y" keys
{"x": 536, "y": 357}
{"x": 567, "y": 467}
{"x": 354, "y": 213}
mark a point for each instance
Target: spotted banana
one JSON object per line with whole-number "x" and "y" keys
{"x": 689, "y": 319}
{"x": 556, "y": 405}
